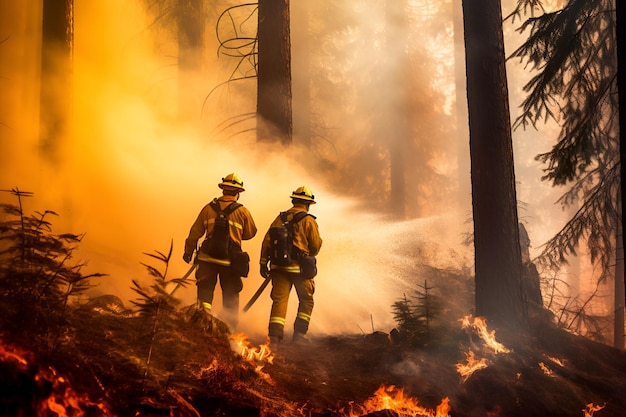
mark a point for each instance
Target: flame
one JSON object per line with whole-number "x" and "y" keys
{"x": 591, "y": 408}
{"x": 479, "y": 326}
{"x": 250, "y": 353}
{"x": 257, "y": 356}
{"x": 557, "y": 361}
{"x": 466, "y": 370}
{"x": 545, "y": 369}
{"x": 63, "y": 400}
{"x": 390, "y": 398}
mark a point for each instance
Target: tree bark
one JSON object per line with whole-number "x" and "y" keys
{"x": 56, "y": 69}
{"x": 499, "y": 295}
{"x": 274, "y": 100}
{"x": 620, "y": 24}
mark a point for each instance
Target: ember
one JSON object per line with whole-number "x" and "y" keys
{"x": 479, "y": 326}
{"x": 58, "y": 398}
{"x": 591, "y": 408}
{"x": 545, "y": 369}
{"x": 390, "y": 398}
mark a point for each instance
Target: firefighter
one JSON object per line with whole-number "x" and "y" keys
{"x": 298, "y": 273}
{"x": 230, "y": 266}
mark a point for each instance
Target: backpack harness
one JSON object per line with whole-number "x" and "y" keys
{"x": 282, "y": 252}
{"x": 219, "y": 243}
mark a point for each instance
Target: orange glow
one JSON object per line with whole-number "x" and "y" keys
{"x": 472, "y": 365}
{"x": 250, "y": 353}
{"x": 590, "y": 409}
{"x": 478, "y": 325}
{"x": 393, "y": 399}
{"x": 63, "y": 401}
{"x": 545, "y": 369}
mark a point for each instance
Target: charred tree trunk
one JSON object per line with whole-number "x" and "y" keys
{"x": 274, "y": 111}
{"x": 498, "y": 262}
{"x": 56, "y": 69}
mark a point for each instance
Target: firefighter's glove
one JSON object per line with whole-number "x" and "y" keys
{"x": 265, "y": 271}
{"x": 187, "y": 257}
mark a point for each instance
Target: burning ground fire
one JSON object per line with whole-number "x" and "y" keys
{"x": 50, "y": 393}
{"x": 472, "y": 365}
{"x": 257, "y": 356}
{"x": 393, "y": 399}
{"x": 478, "y": 325}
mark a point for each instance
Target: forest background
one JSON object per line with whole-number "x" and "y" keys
{"x": 147, "y": 151}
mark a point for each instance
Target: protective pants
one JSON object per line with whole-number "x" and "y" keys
{"x": 281, "y": 287}
{"x": 231, "y": 284}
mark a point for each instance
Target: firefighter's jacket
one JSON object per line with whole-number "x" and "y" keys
{"x": 241, "y": 223}
{"x": 306, "y": 238}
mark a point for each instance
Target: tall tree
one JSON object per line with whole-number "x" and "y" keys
{"x": 190, "y": 23}
{"x": 56, "y": 69}
{"x": 620, "y": 290}
{"x": 496, "y": 235}
{"x": 274, "y": 100}
{"x": 396, "y": 125}
{"x": 301, "y": 74}
{"x": 574, "y": 50}
{"x": 186, "y": 20}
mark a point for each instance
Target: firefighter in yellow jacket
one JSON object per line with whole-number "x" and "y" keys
{"x": 222, "y": 258}
{"x": 298, "y": 273}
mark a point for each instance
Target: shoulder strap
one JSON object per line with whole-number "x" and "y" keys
{"x": 232, "y": 207}
{"x": 299, "y": 216}
{"x": 215, "y": 205}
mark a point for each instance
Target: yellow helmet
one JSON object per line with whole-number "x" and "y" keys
{"x": 232, "y": 181}
{"x": 304, "y": 193}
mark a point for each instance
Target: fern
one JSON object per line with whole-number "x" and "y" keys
{"x": 37, "y": 278}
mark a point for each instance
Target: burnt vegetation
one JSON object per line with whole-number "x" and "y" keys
{"x": 160, "y": 357}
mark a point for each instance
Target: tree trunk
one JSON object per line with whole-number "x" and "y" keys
{"x": 302, "y": 73}
{"x": 274, "y": 112}
{"x": 190, "y": 16}
{"x": 397, "y": 105}
{"x": 498, "y": 263}
{"x": 463, "y": 161}
{"x": 620, "y": 23}
{"x": 56, "y": 69}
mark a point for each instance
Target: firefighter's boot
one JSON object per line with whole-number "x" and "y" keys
{"x": 299, "y": 338}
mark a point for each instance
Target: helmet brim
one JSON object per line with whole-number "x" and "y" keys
{"x": 231, "y": 187}
{"x": 303, "y": 199}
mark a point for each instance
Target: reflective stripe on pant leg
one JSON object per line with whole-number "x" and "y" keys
{"x": 281, "y": 287}
{"x": 276, "y": 327}
{"x": 305, "y": 288}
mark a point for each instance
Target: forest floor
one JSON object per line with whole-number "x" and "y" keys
{"x": 110, "y": 363}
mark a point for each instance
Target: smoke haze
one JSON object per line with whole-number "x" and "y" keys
{"x": 134, "y": 176}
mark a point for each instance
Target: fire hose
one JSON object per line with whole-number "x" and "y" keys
{"x": 184, "y": 277}
{"x": 256, "y": 295}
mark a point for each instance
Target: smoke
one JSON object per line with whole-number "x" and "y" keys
{"x": 134, "y": 174}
